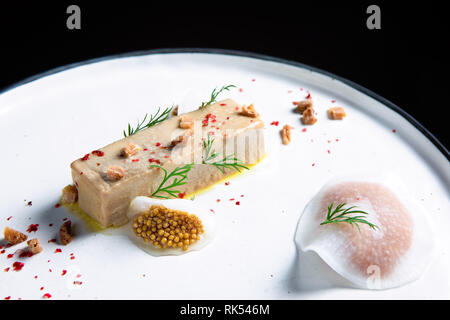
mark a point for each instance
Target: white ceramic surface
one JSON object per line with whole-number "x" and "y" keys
{"x": 47, "y": 123}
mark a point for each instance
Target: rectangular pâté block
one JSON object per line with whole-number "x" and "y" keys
{"x": 108, "y": 179}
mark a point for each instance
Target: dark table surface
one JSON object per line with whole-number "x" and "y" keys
{"x": 404, "y": 61}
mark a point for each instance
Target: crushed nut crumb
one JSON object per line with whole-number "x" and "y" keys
{"x": 186, "y": 122}
{"x": 14, "y": 236}
{"x": 69, "y": 194}
{"x": 336, "y": 113}
{"x": 249, "y": 111}
{"x": 115, "y": 173}
{"x": 66, "y": 233}
{"x": 303, "y": 105}
{"x": 308, "y": 116}
{"x": 286, "y": 134}
{"x": 174, "y": 112}
{"x": 130, "y": 150}
{"x": 34, "y": 246}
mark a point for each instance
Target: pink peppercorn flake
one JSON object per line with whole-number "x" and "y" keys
{"x": 218, "y": 200}
{"x": 7, "y": 298}
{"x": 25, "y": 253}
{"x": 308, "y": 96}
{"x": 9, "y": 218}
{"x": 86, "y": 157}
{"x": 274, "y": 123}
{"x": 223, "y": 104}
{"x": 78, "y": 283}
{"x": 32, "y": 228}
{"x": 64, "y": 272}
{"x": 42, "y": 288}
{"x": 333, "y": 101}
{"x": 135, "y": 160}
{"x": 6, "y": 269}
{"x": 17, "y": 266}
{"x": 227, "y": 183}
{"x": 313, "y": 164}
{"x": 72, "y": 258}
{"x": 212, "y": 210}
{"x": 2, "y": 252}
{"x": 9, "y": 256}
{"x": 238, "y": 203}
{"x": 157, "y": 144}
{"x": 304, "y": 130}
{"x": 58, "y": 250}
{"x": 30, "y": 203}
{"x": 181, "y": 195}
{"x": 98, "y": 153}
{"x": 394, "y": 131}
{"x": 47, "y": 296}
{"x": 57, "y": 205}
{"x": 328, "y": 151}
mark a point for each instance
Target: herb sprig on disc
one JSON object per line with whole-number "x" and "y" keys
{"x": 342, "y": 215}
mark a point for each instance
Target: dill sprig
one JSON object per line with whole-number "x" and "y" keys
{"x": 228, "y": 162}
{"x": 180, "y": 175}
{"x": 215, "y": 93}
{"x": 341, "y": 214}
{"x": 154, "y": 119}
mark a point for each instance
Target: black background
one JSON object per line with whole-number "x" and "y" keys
{"x": 403, "y": 62}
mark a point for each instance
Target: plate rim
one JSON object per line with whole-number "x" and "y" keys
{"x": 229, "y": 52}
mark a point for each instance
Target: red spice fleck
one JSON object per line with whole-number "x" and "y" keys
{"x": 49, "y": 270}
{"x": 2, "y": 252}
{"x": 78, "y": 283}
{"x": 7, "y": 298}
{"x": 32, "y": 228}
{"x": 212, "y": 210}
{"x": 228, "y": 118}
{"x": 151, "y": 160}
{"x": 42, "y": 288}
{"x": 135, "y": 160}
{"x": 50, "y": 224}
{"x": 337, "y": 140}
{"x": 145, "y": 149}
{"x": 227, "y": 183}
{"x": 6, "y": 269}
{"x": 81, "y": 173}
{"x": 304, "y": 130}
{"x": 51, "y": 240}
{"x": 157, "y": 144}
{"x": 47, "y": 296}
{"x": 72, "y": 257}
{"x": 274, "y": 123}
{"x": 9, "y": 256}
{"x": 237, "y": 108}
{"x": 57, "y": 205}
{"x": 357, "y": 199}
{"x": 166, "y": 157}
{"x": 17, "y": 266}
{"x": 394, "y": 131}
{"x": 333, "y": 101}
{"x": 223, "y": 104}
{"x": 253, "y": 80}
{"x": 295, "y": 103}
{"x": 232, "y": 199}
{"x": 308, "y": 96}
{"x": 86, "y": 157}
{"x": 238, "y": 203}
{"x": 35, "y": 277}
{"x": 25, "y": 253}
{"x": 181, "y": 195}
{"x": 63, "y": 273}
{"x": 30, "y": 203}
{"x": 218, "y": 200}
{"x": 242, "y": 195}
{"x": 58, "y": 250}
{"x": 313, "y": 164}
{"x": 301, "y": 89}
{"x": 9, "y": 218}
{"x": 98, "y": 164}
{"x": 98, "y": 153}
{"x": 328, "y": 151}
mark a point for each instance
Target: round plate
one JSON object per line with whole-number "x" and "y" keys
{"x": 51, "y": 120}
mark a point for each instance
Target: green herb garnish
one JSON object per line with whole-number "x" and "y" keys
{"x": 228, "y": 162}
{"x": 154, "y": 119}
{"x": 214, "y": 95}
{"x": 341, "y": 214}
{"x": 180, "y": 175}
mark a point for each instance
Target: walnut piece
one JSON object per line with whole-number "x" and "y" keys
{"x": 174, "y": 112}
{"x": 336, "y": 113}
{"x": 286, "y": 134}
{"x": 14, "y": 236}
{"x": 182, "y": 138}
{"x": 308, "y": 116}
{"x": 186, "y": 122}
{"x": 66, "y": 233}
{"x": 115, "y": 173}
{"x": 34, "y": 246}
{"x": 69, "y": 194}
{"x": 303, "y": 105}
{"x": 130, "y": 150}
{"x": 249, "y": 111}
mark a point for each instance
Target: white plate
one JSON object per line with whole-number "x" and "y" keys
{"x": 52, "y": 120}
